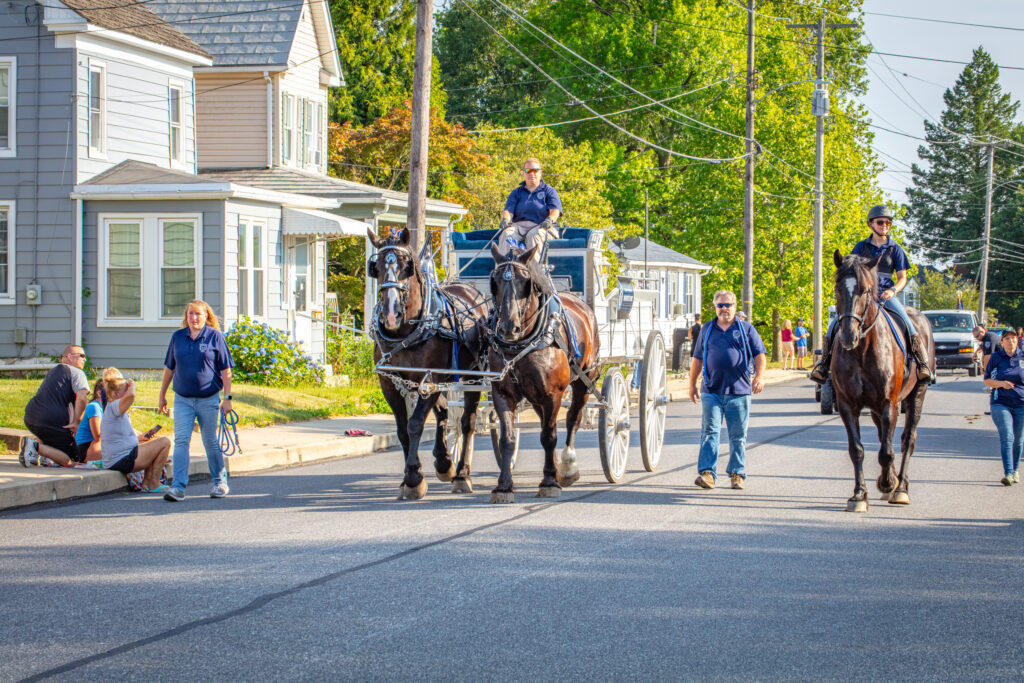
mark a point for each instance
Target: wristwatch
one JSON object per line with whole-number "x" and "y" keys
{"x": 228, "y": 397}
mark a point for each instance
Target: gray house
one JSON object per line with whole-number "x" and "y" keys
{"x": 181, "y": 153}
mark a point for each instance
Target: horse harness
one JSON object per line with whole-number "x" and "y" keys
{"x": 551, "y": 314}
{"x": 438, "y": 307}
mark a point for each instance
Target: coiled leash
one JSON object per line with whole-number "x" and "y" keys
{"x": 227, "y": 433}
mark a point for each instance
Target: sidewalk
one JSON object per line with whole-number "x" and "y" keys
{"x": 262, "y": 448}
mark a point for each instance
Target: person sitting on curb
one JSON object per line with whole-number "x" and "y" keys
{"x": 87, "y": 439}
{"x": 54, "y": 413}
{"x": 119, "y": 441}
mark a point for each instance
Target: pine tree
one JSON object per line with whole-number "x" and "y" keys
{"x": 947, "y": 203}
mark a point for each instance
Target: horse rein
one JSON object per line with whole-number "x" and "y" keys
{"x": 391, "y": 266}
{"x": 860, "y": 319}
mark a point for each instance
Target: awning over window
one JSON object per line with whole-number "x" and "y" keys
{"x": 311, "y": 223}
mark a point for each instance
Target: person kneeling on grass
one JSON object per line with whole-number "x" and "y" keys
{"x": 119, "y": 441}
{"x": 54, "y": 413}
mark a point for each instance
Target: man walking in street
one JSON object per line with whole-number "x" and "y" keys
{"x": 990, "y": 341}
{"x": 694, "y": 333}
{"x": 531, "y": 212}
{"x": 725, "y": 351}
{"x": 54, "y": 413}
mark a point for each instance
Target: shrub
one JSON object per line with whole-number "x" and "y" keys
{"x": 265, "y": 355}
{"x": 350, "y": 353}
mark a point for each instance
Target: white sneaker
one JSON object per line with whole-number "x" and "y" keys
{"x": 219, "y": 491}
{"x": 28, "y": 454}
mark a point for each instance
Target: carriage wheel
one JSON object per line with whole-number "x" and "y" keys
{"x": 453, "y": 431}
{"x": 613, "y": 426}
{"x": 653, "y": 401}
{"x": 828, "y": 398}
{"x": 496, "y": 441}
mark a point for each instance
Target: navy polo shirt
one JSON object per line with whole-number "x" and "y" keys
{"x": 532, "y": 206}
{"x": 197, "y": 363}
{"x": 989, "y": 343}
{"x": 1008, "y": 368}
{"x": 728, "y": 358}
{"x": 893, "y": 260}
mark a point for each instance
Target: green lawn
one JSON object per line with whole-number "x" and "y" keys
{"x": 256, "y": 406}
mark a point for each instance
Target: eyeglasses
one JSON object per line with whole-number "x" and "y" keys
{"x": 531, "y": 170}
{"x": 724, "y": 305}
{"x": 77, "y": 355}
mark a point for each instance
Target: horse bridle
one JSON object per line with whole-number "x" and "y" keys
{"x": 507, "y": 275}
{"x": 859, "y": 318}
{"x": 391, "y": 271}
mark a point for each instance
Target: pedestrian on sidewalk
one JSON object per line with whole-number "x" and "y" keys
{"x": 800, "y": 335}
{"x": 1005, "y": 375}
{"x": 119, "y": 442}
{"x": 788, "y": 350}
{"x": 727, "y": 350}
{"x": 694, "y": 333}
{"x": 54, "y": 413}
{"x": 199, "y": 363}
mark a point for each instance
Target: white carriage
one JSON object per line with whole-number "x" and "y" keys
{"x": 628, "y": 337}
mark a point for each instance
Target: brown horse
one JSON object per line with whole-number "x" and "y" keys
{"x": 531, "y": 333}
{"x": 413, "y": 328}
{"x": 869, "y": 370}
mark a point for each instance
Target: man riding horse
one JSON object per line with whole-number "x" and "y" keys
{"x": 892, "y": 263}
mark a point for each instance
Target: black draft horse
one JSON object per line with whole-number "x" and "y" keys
{"x": 530, "y": 332}
{"x": 415, "y": 329}
{"x": 869, "y": 370}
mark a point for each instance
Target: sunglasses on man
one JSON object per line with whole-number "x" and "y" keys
{"x": 724, "y": 305}
{"x": 531, "y": 170}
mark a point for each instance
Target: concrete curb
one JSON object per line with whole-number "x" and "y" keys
{"x": 684, "y": 394}
{"x": 20, "y": 486}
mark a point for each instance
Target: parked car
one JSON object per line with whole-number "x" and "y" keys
{"x": 955, "y": 345}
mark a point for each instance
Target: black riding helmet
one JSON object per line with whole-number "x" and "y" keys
{"x": 880, "y": 211}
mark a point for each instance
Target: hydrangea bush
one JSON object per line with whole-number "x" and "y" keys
{"x": 265, "y": 355}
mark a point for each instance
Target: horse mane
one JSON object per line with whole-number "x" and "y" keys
{"x": 854, "y": 265}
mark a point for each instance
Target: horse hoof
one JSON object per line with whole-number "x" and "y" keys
{"x": 448, "y": 474}
{"x": 462, "y": 486}
{"x": 413, "y": 492}
{"x": 568, "y": 479}
{"x": 899, "y": 498}
{"x": 549, "y": 492}
{"x": 857, "y": 505}
{"x": 503, "y": 496}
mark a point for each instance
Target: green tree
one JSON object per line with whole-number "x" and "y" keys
{"x": 376, "y": 44}
{"x": 947, "y": 200}
{"x": 937, "y": 289}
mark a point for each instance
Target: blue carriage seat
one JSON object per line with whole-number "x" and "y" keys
{"x": 569, "y": 268}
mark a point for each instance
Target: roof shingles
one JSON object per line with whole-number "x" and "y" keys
{"x": 134, "y": 19}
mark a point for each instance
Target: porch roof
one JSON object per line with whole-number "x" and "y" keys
{"x": 356, "y": 200}
{"x": 137, "y": 180}
{"x": 309, "y": 223}
{"x": 657, "y": 255}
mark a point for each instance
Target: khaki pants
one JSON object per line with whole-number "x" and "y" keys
{"x": 527, "y": 232}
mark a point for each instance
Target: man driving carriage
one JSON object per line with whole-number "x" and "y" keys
{"x": 531, "y": 212}
{"x": 892, "y": 277}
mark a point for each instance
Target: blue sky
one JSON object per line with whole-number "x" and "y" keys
{"x": 904, "y": 92}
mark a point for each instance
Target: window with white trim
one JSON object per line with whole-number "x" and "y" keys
{"x": 252, "y": 270}
{"x": 287, "y": 128}
{"x": 97, "y": 103}
{"x": 308, "y": 136}
{"x": 131, "y": 291}
{"x": 321, "y": 123}
{"x": 175, "y": 114}
{"x": 690, "y": 294}
{"x": 8, "y": 90}
{"x": 7, "y": 252}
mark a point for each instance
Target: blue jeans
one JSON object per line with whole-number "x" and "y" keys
{"x": 892, "y": 305}
{"x": 1010, "y": 423}
{"x": 736, "y": 410}
{"x": 187, "y": 411}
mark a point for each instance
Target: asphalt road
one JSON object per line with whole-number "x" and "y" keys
{"x": 319, "y": 573}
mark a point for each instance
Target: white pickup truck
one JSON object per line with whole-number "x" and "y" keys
{"x": 955, "y": 345}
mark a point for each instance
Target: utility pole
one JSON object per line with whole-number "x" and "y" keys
{"x": 417, "y": 216}
{"x": 647, "y": 237}
{"x": 988, "y": 233}
{"x": 747, "y": 298}
{"x": 819, "y": 107}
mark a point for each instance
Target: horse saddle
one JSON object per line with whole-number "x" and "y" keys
{"x": 899, "y": 330}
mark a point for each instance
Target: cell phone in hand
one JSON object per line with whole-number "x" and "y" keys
{"x": 149, "y": 433}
